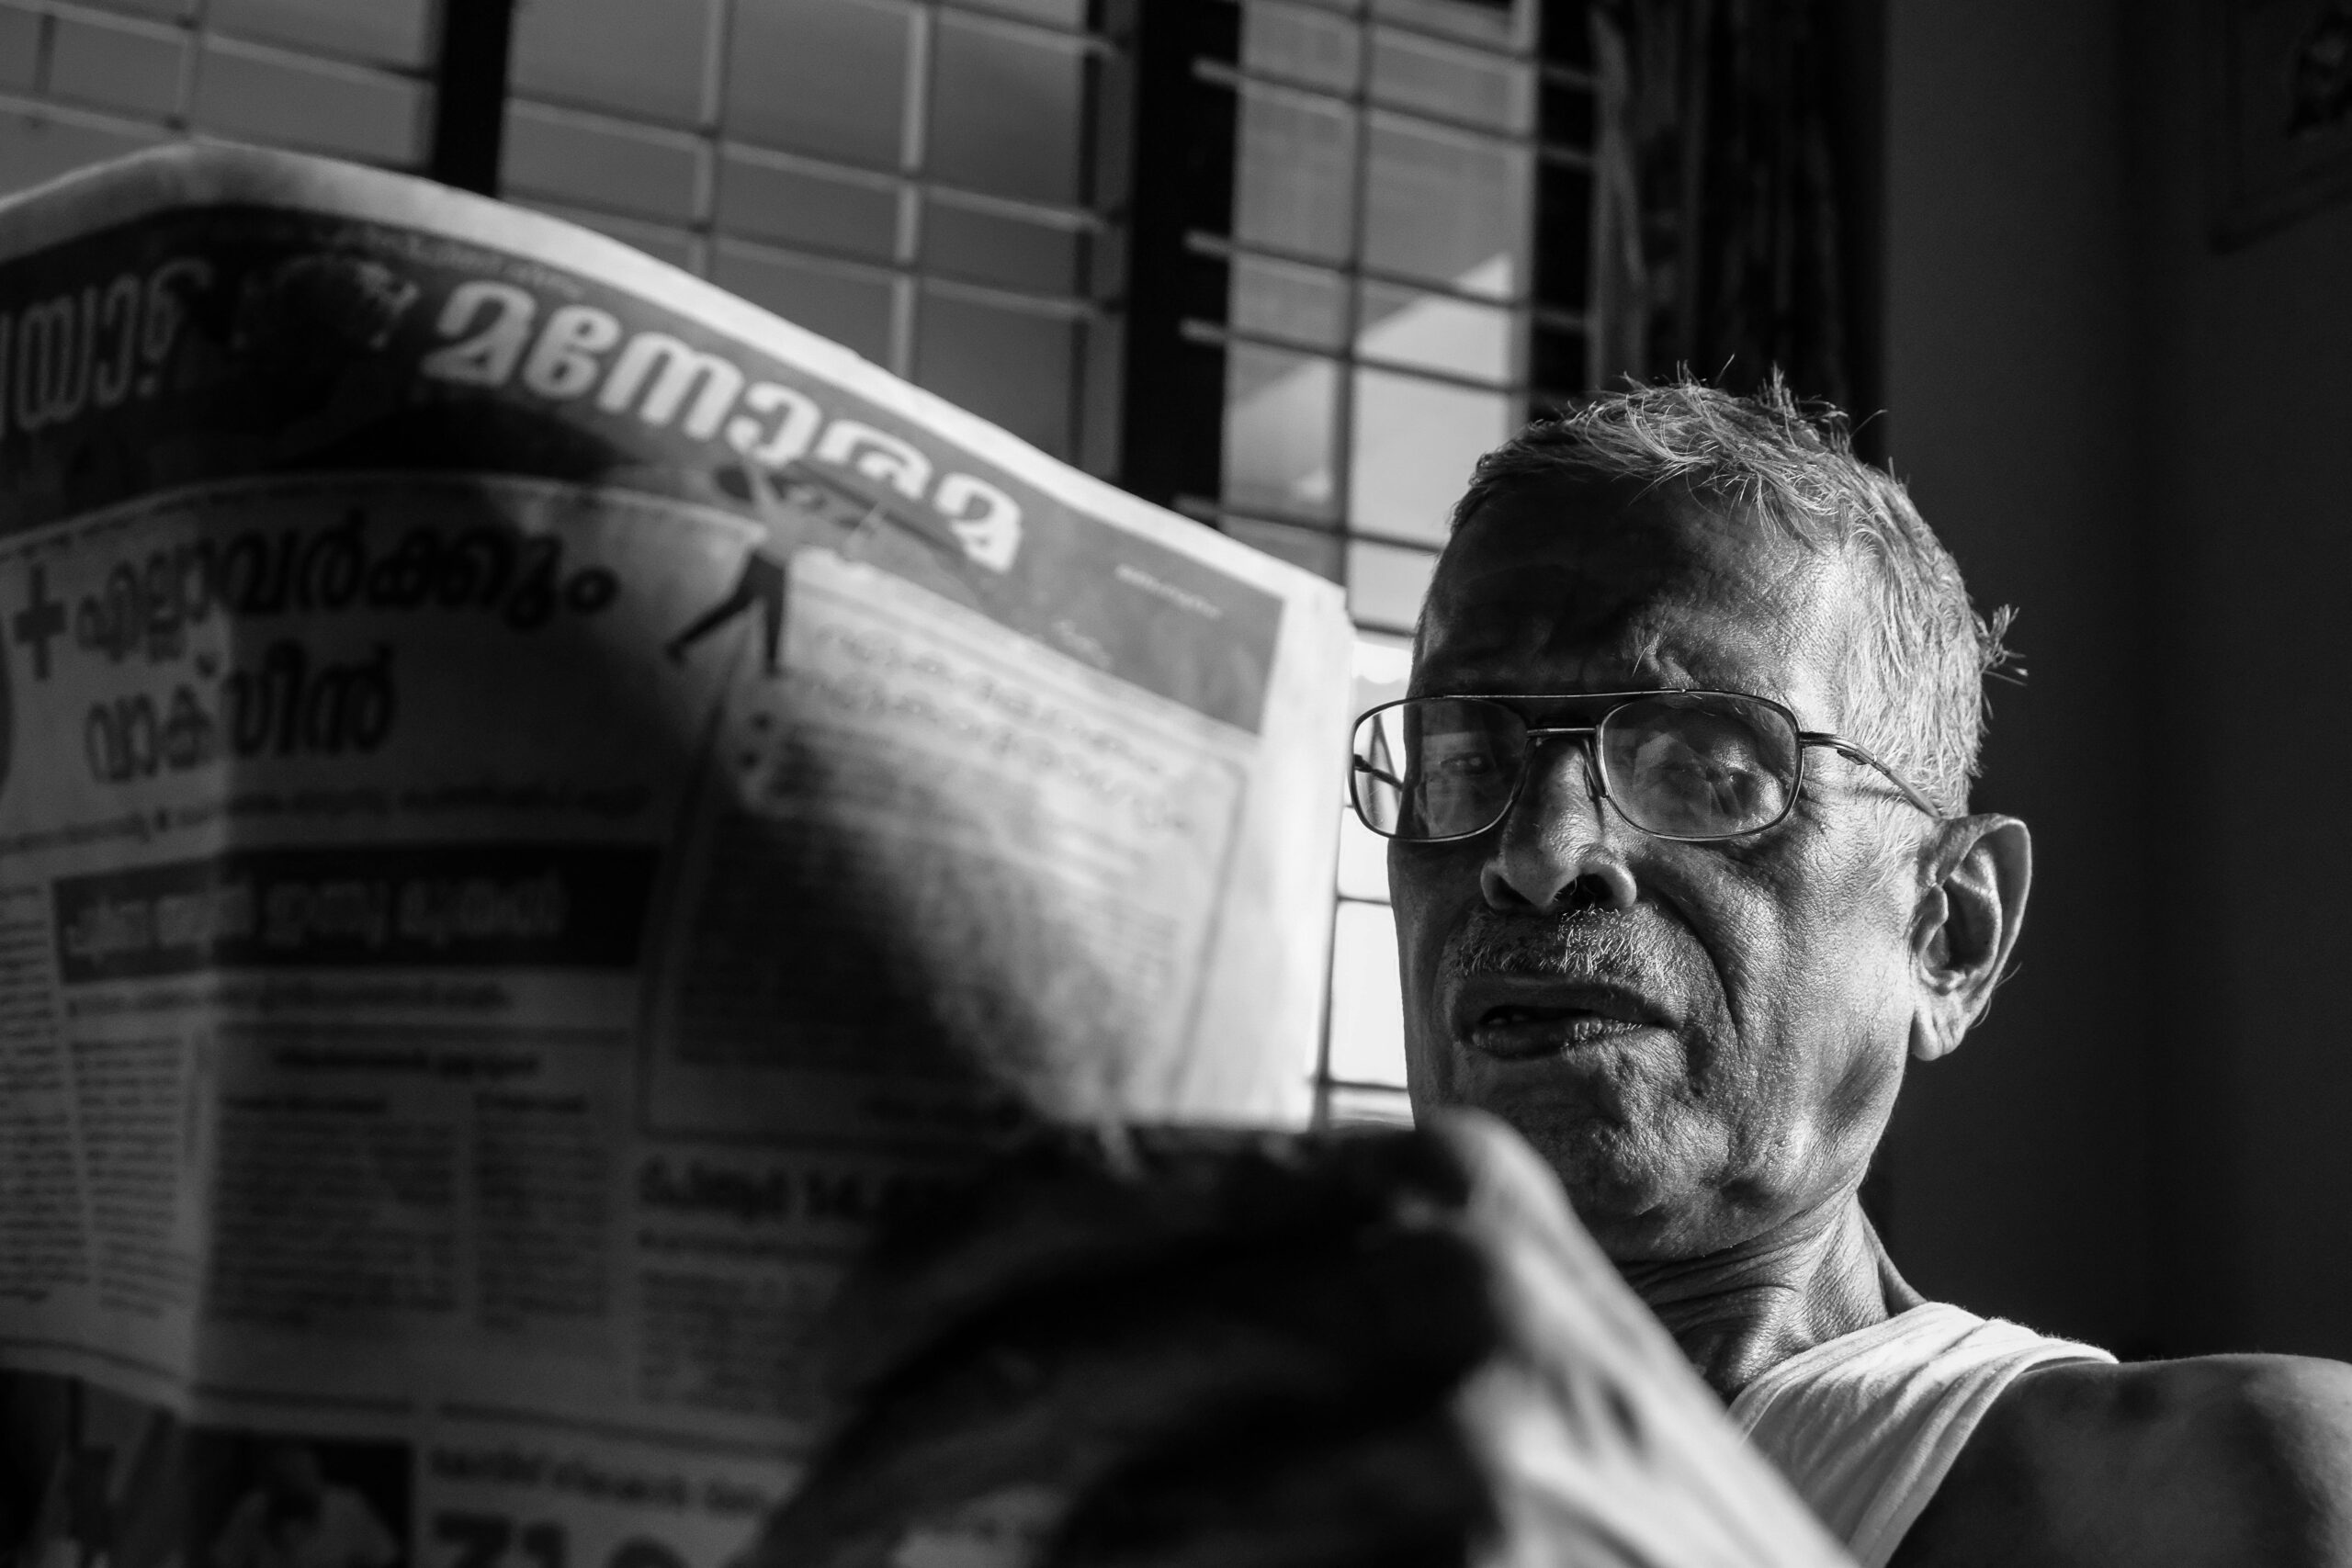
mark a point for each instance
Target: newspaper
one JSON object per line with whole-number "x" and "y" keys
{"x": 538, "y": 802}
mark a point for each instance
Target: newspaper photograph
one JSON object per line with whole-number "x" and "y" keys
{"x": 539, "y": 803}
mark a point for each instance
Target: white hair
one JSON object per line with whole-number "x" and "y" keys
{"x": 1918, "y": 702}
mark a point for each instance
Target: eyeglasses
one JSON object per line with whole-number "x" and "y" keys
{"x": 1696, "y": 766}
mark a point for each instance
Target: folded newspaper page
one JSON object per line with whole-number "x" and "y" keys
{"x": 538, "y": 803}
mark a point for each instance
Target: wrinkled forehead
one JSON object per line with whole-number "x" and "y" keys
{"x": 1571, "y": 586}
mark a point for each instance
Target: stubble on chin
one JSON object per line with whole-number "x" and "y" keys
{"x": 1642, "y": 1182}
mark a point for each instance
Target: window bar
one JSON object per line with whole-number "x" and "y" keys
{"x": 45, "y": 50}
{"x": 914, "y": 127}
{"x": 710, "y": 128}
{"x": 470, "y": 94}
{"x": 1320, "y": 1114}
{"x": 1340, "y": 452}
{"x": 1172, "y": 413}
{"x": 199, "y": 16}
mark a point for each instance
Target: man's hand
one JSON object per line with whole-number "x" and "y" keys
{"x": 1264, "y": 1351}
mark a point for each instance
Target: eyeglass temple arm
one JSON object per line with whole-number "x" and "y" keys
{"x": 1846, "y": 748}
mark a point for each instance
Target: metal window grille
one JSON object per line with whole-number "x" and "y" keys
{"x": 83, "y": 82}
{"x": 1362, "y": 243}
{"x": 924, "y": 182}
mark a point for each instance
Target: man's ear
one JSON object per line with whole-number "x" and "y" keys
{"x": 1975, "y": 875}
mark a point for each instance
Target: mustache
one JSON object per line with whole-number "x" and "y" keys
{"x": 1637, "y": 949}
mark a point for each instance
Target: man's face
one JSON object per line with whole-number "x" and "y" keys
{"x": 1703, "y": 1039}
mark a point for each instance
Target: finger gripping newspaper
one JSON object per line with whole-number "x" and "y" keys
{"x": 539, "y": 803}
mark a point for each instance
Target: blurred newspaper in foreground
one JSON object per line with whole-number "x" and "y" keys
{"x": 536, "y": 802}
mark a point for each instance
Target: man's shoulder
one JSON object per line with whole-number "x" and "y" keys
{"x": 2211, "y": 1460}
{"x": 2273, "y": 1430}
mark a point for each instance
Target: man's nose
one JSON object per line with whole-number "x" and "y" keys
{"x": 1559, "y": 846}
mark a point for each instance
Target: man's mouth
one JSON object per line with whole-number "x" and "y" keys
{"x": 1518, "y": 1019}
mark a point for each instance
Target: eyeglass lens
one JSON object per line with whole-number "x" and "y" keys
{"x": 1685, "y": 765}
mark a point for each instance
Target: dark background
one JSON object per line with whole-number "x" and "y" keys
{"x": 2137, "y": 438}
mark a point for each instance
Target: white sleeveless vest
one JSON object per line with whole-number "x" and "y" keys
{"x": 1867, "y": 1426}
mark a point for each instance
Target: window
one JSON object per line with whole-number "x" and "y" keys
{"x": 1362, "y": 260}
{"x": 917, "y": 181}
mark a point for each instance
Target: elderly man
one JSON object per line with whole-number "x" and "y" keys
{"x": 1683, "y": 872}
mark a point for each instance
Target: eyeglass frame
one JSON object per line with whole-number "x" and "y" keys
{"x": 1598, "y": 769}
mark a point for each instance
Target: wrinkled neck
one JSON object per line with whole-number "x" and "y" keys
{"x": 1738, "y": 1313}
